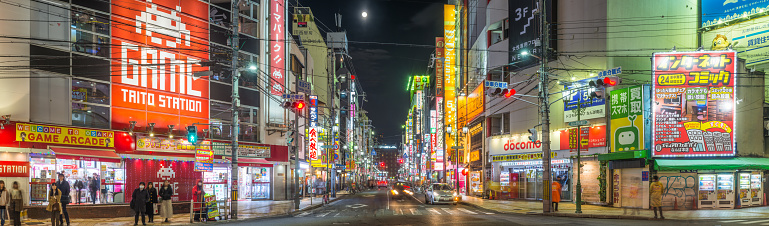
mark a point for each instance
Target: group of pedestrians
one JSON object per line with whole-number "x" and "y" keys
{"x": 143, "y": 202}
{"x": 11, "y": 203}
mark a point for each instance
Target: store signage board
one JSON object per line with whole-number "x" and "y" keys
{"x": 578, "y": 123}
{"x": 164, "y": 92}
{"x": 577, "y": 101}
{"x": 14, "y": 169}
{"x": 628, "y": 127}
{"x": 145, "y": 143}
{"x": 524, "y": 33}
{"x": 64, "y": 135}
{"x": 204, "y": 160}
{"x": 277, "y": 70}
{"x": 303, "y": 86}
{"x": 716, "y": 12}
{"x": 749, "y": 38}
{"x": 693, "y": 101}
{"x": 313, "y": 145}
{"x": 244, "y": 150}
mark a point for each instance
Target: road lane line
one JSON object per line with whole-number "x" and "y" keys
{"x": 754, "y": 222}
{"x": 415, "y": 212}
{"x": 324, "y": 214}
{"x": 730, "y": 221}
{"x": 467, "y": 211}
{"x": 434, "y": 211}
{"x": 302, "y": 214}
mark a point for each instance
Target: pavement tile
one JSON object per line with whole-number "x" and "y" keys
{"x": 568, "y": 209}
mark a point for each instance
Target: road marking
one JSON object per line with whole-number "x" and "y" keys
{"x": 450, "y": 211}
{"x": 434, "y": 211}
{"x": 388, "y": 200}
{"x": 466, "y": 211}
{"x": 754, "y": 222}
{"x": 415, "y": 212}
{"x": 324, "y": 214}
{"x": 730, "y": 221}
{"x": 355, "y": 206}
{"x": 337, "y": 214}
{"x": 398, "y": 212}
{"x": 302, "y": 214}
{"x": 765, "y": 224}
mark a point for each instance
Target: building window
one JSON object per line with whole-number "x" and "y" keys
{"x": 89, "y": 43}
{"x": 90, "y": 115}
{"x": 91, "y": 21}
{"x": 90, "y": 104}
{"x": 90, "y": 92}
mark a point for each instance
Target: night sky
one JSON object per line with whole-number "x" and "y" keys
{"x": 383, "y": 68}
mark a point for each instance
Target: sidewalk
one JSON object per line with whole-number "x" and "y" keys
{"x": 246, "y": 210}
{"x": 567, "y": 209}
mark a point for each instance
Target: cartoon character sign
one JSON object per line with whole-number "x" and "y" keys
{"x": 721, "y": 42}
{"x": 627, "y": 136}
{"x": 166, "y": 173}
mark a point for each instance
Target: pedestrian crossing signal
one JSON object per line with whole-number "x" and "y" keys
{"x": 192, "y": 134}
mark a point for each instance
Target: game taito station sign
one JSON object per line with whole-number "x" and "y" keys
{"x": 693, "y": 104}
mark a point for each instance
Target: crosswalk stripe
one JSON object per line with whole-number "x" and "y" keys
{"x": 730, "y": 221}
{"x": 324, "y": 214}
{"x": 337, "y": 214}
{"x": 754, "y": 222}
{"x": 415, "y": 212}
{"x": 466, "y": 211}
{"x": 450, "y": 211}
{"x": 432, "y": 210}
{"x": 302, "y": 214}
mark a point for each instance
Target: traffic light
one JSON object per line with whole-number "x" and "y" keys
{"x": 382, "y": 164}
{"x": 192, "y": 134}
{"x": 533, "y": 136}
{"x": 400, "y": 161}
{"x": 294, "y": 105}
{"x": 600, "y": 85}
{"x": 500, "y": 92}
{"x": 289, "y": 137}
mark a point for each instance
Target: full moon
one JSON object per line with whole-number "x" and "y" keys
{"x": 364, "y": 14}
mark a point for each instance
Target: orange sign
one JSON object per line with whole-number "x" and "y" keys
{"x": 471, "y": 106}
{"x": 156, "y": 46}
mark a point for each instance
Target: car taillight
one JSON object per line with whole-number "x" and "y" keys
{"x": 407, "y": 187}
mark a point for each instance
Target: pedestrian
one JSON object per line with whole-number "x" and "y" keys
{"x": 79, "y": 190}
{"x": 17, "y": 204}
{"x": 556, "y": 195}
{"x": 64, "y": 187}
{"x": 197, "y": 199}
{"x": 655, "y": 194}
{"x": 54, "y": 204}
{"x": 139, "y": 199}
{"x": 93, "y": 187}
{"x": 5, "y": 200}
{"x": 152, "y": 201}
{"x": 166, "y": 209}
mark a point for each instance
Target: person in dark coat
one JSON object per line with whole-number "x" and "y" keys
{"x": 153, "y": 192}
{"x": 64, "y": 187}
{"x": 93, "y": 187}
{"x": 198, "y": 197}
{"x": 139, "y": 200}
{"x": 166, "y": 209}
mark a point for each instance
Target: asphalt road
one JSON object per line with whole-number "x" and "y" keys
{"x": 377, "y": 208}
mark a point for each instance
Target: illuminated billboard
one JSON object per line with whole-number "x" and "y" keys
{"x": 449, "y": 68}
{"x": 156, "y": 46}
{"x": 693, "y": 101}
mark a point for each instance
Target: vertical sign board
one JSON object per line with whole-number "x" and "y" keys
{"x": 627, "y": 118}
{"x": 524, "y": 31}
{"x": 439, "y": 66}
{"x": 155, "y": 46}
{"x": 693, "y": 104}
{"x": 313, "y": 148}
{"x": 449, "y": 56}
{"x": 277, "y": 46}
{"x": 204, "y": 160}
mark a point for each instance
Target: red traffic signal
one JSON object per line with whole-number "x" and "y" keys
{"x": 382, "y": 164}
{"x": 610, "y": 81}
{"x": 510, "y": 93}
{"x": 296, "y": 105}
{"x": 299, "y": 105}
{"x": 352, "y": 76}
{"x": 400, "y": 161}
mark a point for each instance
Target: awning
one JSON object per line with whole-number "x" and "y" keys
{"x": 101, "y": 155}
{"x": 253, "y": 162}
{"x": 712, "y": 164}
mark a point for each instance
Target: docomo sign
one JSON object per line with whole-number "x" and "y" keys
{"x": 508, "y": 145}
{"x": 157, "y": 44}
{"x": 277, "y": 46}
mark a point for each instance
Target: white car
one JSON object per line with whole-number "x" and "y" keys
{"x": 441, "y": 193}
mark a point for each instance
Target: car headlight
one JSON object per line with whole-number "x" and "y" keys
{"x": 395, "y": 192}
{"x": 409, "y": 192}
{"x": 455, "y": 193}
{"x": 435, "y": 194}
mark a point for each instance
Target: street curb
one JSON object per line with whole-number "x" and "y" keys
{"x": 292, "y": 213}
{"x": 574, "y": 215}
{"x": 339, "y": 197}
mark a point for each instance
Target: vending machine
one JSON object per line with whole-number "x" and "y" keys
{"x": 707, "y": 192}
{"x": 746, "y": 194}
{"x": 756, "y": 189}
{"x": 725, "y": 193}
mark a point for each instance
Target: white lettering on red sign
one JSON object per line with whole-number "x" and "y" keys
{"x": 277, "y": 47}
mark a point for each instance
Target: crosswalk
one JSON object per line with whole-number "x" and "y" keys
{"x": 393, "y": 211}
{"x": 748, "y": 222}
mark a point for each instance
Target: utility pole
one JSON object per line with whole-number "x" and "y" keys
{"x": 235, "y": 105}
{"x": 296, "y": 144}
{"x": 544, "y": 107}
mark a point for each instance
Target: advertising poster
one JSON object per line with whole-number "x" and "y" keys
{"x": 180, "y": 174}
{"x": 715, "y": 12}
{"x": 627, "y": 118}
{"x": 449, "y": 55}
{"x": 64, "y": 135}
{"x": 693, "y": 104}
{"x": 578, "y": 105}
{"x": 749, "y": 38}
{"x": 204, "y": 160}
{"x": 155, "y": 49}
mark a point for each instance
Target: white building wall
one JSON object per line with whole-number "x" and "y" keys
{"x": 15, "y": 91}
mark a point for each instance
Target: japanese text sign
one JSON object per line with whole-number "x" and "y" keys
{"x": 627, "y": 118}
{"x": 693, "y": 99}
{"x": 64, "y": 135}
{"x": 277, "y": 46}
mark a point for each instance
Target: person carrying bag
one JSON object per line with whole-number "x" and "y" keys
{"x": 54, "y": 204}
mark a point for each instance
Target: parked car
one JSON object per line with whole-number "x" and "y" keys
{"x": 441, "y": 193}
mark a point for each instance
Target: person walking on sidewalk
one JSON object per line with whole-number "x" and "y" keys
{"x": 93, "y": 187}
{"x": 54, "y": 204}
{"x": 556, "y": 195}
{"x": 153, "y": 199}
{"x": 655, "y": 194}
{"x": 64, "y": 187}
{"x": 79, "y": 190}
{"x": 197, "y": 199}
{"x": 5, "y": 199}
{"x": 17, "y": 204}
{"x": 166, "y": 209}
{"x": 138, "y": 203}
